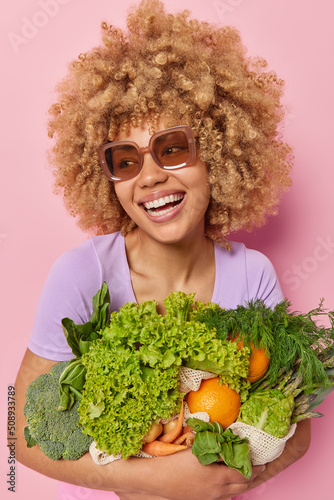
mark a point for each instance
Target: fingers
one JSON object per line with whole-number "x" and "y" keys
{"x": 238, "y": 484}
{"x": 235, "y": 477}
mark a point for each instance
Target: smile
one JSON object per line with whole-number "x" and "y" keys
{"x": 162, "y": 206}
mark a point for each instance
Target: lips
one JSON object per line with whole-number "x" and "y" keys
{"x": 159, "y": 207}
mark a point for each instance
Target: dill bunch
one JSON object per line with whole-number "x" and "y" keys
{"x": 292, "y": 340}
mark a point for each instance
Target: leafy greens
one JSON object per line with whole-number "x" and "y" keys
{"x": 213, "y": 444}
{"x": 269, "y": 411}
{"x": 80, "y": 338}
{"x": 132, "y": 370}
{"x": 125, "y": 373}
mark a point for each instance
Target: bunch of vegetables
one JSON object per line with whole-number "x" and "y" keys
{"x": 124, "y": 378}
{"x": 132, "y": 370}
{"x": 301, "y": 371}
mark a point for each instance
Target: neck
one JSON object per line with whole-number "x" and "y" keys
{"x": 173, "y": 263}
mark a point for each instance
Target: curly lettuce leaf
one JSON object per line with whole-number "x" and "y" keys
{"x": 122, "y": 397}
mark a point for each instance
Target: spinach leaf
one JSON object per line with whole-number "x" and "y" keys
{"x": 213, "y": 444}
{"x": 79, "y": 337}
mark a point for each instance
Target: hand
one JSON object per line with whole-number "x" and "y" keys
{"x": 182, "y": 477}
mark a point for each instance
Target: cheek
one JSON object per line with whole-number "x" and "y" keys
{"x": 123, "y": 196}
{"x": 205, "y": 197}
{"x": 122, "y": 192}
{"x": 201, "y": 188}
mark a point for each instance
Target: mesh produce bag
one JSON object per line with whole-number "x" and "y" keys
{"x": 190, "y": 380}
{"x": 263, "y": 447}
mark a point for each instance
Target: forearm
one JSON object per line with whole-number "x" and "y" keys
{"x": 177, "y": 477}
{"x": 128, "y": 477}
{"x": 82, "y": 472}
{"x": 294, "y": 449}
{"x": 121, "y": 475}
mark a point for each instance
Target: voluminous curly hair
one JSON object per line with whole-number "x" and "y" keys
{"x": 187, "y": 72}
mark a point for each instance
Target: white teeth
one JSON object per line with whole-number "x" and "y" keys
{"x": 163, "y": 201}
{"x": 161, "y": 212}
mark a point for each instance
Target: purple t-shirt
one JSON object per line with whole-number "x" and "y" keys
{"x": 241, "y": 275}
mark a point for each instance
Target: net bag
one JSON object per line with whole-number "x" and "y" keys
{"x": 190, "y": 380}
{"x": 263, "y": 447}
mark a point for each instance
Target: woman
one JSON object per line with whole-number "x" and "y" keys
{"x": 184, "y": 127}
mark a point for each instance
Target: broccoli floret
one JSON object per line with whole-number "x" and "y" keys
{"x": 57, "y": 433}
{"x": 52, "y": 449}
{"x": 75, "y": 443}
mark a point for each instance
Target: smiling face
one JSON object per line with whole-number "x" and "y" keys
{"x": 166, "y": 205}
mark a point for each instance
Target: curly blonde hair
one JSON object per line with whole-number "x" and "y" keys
{"x": 191, "y": 73}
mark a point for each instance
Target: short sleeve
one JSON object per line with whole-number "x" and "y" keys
{"x": 242, "y": 275}
{"x": 67, "y": 292}
{"x": 262, "y": 281}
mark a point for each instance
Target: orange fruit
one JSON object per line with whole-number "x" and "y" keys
{"x": 258, "y": 364}
{"x": 218, "y": 400}
{"x": 258, "y": 361}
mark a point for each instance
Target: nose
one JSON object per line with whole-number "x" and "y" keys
{"x": 151, "y": 173}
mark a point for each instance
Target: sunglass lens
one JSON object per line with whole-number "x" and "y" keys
{"x": 171, "y": 149}
{"x": 122, "y": 161}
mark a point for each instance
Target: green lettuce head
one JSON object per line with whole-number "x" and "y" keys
{"x": 269, "y": 411}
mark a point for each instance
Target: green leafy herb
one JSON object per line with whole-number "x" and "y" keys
{"x": 286, "y": 335}
{"x": 213, "y": 444}
{"x": 71, "y": 383}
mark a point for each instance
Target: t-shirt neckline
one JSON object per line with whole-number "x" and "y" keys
{"x": 216, "y": 287}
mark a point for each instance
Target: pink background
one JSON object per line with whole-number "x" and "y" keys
{"x": 38, "y": 39}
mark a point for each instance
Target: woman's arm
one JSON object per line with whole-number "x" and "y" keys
{"x": 177, "y": 477}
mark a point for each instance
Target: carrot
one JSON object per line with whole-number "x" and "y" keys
{"x": 190, "y": 439}
{"x": 182, "y": 438}
{"x": 185, "y": 429}
{"x": 160, "y": 449}
{"x": 173, "y": 434}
